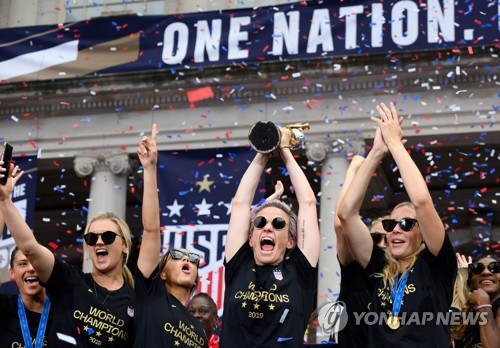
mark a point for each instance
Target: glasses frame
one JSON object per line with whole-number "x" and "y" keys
{"x": 478, "y": 267}
{"x": 379, "y": 237}
{"x": 390, "y": 224}
{"x": 274, "y": 222}
{"x": 193, "y": 258}
{"x": 91, "y": 238}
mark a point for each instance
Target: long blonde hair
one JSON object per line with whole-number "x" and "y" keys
{"x": 460, "y": 302}
{"x": 124, "y": 232}
{"x": 392, "y": 268}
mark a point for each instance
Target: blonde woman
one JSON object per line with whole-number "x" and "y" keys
{"x": 414, "y": 277}
{"x": 89, "y": 309}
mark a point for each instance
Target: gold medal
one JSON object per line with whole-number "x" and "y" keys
{"x": 393, "y": 322}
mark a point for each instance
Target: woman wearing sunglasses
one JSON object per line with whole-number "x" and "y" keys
{"x": 89, "y": 309}
{"x": 415, "y": 275}
{"x": 162, "y": 290}
{"x": 484, "y": 284}
{"x": 270, "y": 262}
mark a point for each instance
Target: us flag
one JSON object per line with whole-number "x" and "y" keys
{"x": 195, "y": 190}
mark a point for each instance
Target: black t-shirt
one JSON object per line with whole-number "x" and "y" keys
{"x": 10, "y": 328}
{"x": 472, "y": 338}
{"x": 267, "y": 306}
{"x": 356, "y": 297}
{"x": 85, "y": 314}
{"x": 429, "y": 290}
{"x": 160, "y": 319}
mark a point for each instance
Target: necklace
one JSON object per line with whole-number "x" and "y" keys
{"x": 95, "y": 292}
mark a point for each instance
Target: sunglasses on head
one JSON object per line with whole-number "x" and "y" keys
{"x": 278, "y": 222}
{"x": 478, "y": 267}
{"x": 107, "y": 237}
{"x": 377, "y": 237}
{"x": 406, "y": 224}
{"x": 179, "y": 254}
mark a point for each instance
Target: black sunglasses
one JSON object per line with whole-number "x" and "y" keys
{"x": 278, "y": 222}
{"x": 377, "y": 238}
{"x": 107, "y": 237}
{"x": 179, "y": 254}
{"x": 478, "y": 267}
{"x": 406, "y": 224}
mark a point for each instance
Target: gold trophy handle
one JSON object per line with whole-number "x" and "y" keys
{"x": 301, "y": 126}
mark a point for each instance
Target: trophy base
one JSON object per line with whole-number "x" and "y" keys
{"x": 264, "y": 137}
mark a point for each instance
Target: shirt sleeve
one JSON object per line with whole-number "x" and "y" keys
{"x": 240, "y": 258}
{"x": 61, "y": 273}
{"x": 148, "y": 288}
{"x": 307, "y": 273}
{"x": 445, "y": 263}
{"x": 374, "y": 266}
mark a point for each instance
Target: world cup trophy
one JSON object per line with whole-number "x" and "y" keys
{"x": 265, "y": 136}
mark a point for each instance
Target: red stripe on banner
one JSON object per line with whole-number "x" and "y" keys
{"x": 209, "y": 281}
{"x": 220, "y": 288}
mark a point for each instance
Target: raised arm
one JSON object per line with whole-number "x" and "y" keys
{"x": 39, "y": 256}
{"x": 428, "y": 219}
{"x": 308, "y": 238}
{"x": 356, "y": 232}
{"x": 489, "y": 330}
{"x": 239, "y": 222}
{"x": 151, "y": 240}
{"x": 343, "y": 251}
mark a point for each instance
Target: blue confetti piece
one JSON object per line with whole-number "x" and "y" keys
{"x": 284, "y": 339}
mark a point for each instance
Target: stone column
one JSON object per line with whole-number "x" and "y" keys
{"x": 108, "y": 186}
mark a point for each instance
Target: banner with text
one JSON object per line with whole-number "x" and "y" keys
{"x": 23, "y": 197}
{"x": 300, "y": 30}
{"x": 195, "y": 190}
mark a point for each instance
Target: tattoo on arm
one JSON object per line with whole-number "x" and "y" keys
{"x": 303, "y": 234}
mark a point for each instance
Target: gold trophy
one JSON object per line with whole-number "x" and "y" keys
{"x": 265, "y": 136}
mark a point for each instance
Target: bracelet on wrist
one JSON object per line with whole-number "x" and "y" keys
{"x": 486, "y": 305}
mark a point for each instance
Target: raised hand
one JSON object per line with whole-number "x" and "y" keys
{"x": 286, "y": 137}
{"x": 389, "y": 123}
{"x": 12, "y": 178}
{"x": 147, "y": 152}
{"x": 463, "y": 261}
{"x": 479, "y": 297}
{"x": 278, "y": 191}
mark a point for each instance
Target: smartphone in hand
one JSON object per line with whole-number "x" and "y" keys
{"x": 6, "y": 158}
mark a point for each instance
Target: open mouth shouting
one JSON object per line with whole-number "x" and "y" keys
{"x": 185, "y": 267}
{"x": 101, "y": 254}
{"x": 31, "y": 281}
{"x": 267, "y": 244}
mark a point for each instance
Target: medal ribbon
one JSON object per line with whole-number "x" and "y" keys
{"x": 397, "y": 292}
{"x": 41, "y": 326}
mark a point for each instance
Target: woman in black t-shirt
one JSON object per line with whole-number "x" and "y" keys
{"x": 162, "y": 290}
{"x": 270, "y": 288}
{"x": 412, "y": 282}
{"x": 89, "y": 309}
{"x": 484, "y": 283}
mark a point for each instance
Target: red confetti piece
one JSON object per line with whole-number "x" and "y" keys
{"x": 471, "y": 51}
{"x": 200, "y": 94}
{"x": 53, "y": 245}
{"x": 123, "y": 147}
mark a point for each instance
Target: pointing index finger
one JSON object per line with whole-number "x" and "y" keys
{"x": 153, "y": 132}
